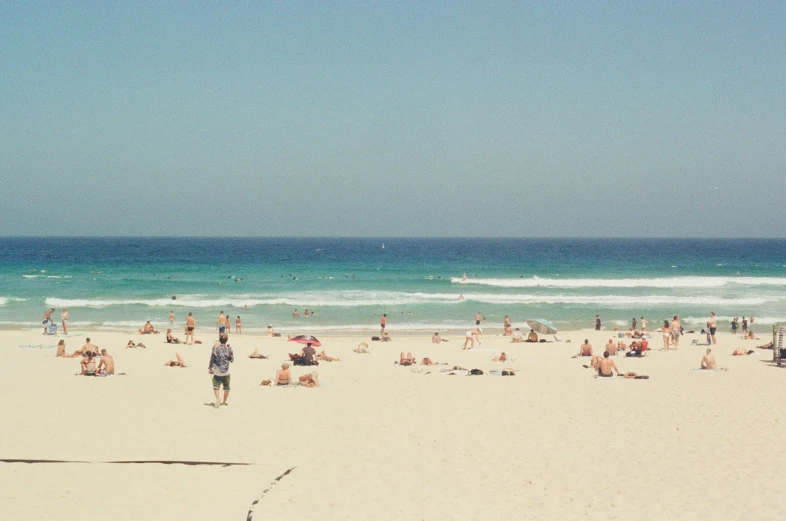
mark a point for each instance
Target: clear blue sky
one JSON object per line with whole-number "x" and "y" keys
{"x": 393, "y": 119}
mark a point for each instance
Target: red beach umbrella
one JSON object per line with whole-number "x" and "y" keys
{"x": 306, "y": 339}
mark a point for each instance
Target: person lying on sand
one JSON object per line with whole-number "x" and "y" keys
{"x": 741, "y": 351}
{"x": 606, "y": 366}
{"x": 427, "y": 361}
{"x": 533, "y": 336}
{"x": 257, "y": 354}
{"x": 88, "y": 364}
{"x": 322, "y": 356}
{"x": 406, "y": 360}
{"x": 283, "y": 376}
{"x": 501, "y": 358}
{"x": 130, "y": 344}
{"x": 171, "y": 339}
{"x": 148, "y": 329}
{"x": 635, "y": 376}
{"x": 309, "y": 380}
{"x": 708, "y": 360}
{"x": 768, "y": 345}
{"x": 176, "y": 363}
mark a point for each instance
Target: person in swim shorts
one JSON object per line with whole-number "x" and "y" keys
{"x": 190, "y": 326}
{"x": 713, "y": 325}
{"x": 606, "y": 366}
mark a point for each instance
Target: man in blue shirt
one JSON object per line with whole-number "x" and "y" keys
{"x": 220, "y": 358}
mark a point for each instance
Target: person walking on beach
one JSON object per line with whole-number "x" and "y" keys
{"x": 220, "y": 358}
{"x": 713, "y": 325}
{"x": 633, "y": 324}
{"x": 597, "y": 322}
{"x": 190, "y": 326}
{"x": 238, "y": 325}
{"x": 64, "y": 320}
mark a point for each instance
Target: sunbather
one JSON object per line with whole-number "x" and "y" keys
{"x": 406, "y": 360}
{"x": 176, "y": 363}
{"x": 309, "y": 380}
{"x": 501, "y": 358}
{"x": 257, "y": 354}
{"x": 283, "y": 376}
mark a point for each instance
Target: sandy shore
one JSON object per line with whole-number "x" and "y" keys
{"x": 379, "y": 441}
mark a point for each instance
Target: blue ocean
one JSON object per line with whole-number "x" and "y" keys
{"x": 421, "y": 284}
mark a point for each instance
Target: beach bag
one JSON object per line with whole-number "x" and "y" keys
{"x": 476, "y": 372}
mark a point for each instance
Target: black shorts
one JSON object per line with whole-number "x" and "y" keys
{"x": 477, "y": 322}
{"x": 712, "y": 330}
{"x": 189, "y": 329}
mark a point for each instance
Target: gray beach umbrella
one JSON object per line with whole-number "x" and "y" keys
{"x": 542, "y": 326}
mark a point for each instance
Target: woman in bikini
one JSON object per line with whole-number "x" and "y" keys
{"x": 666, "y": 335}
{"x": 283, "y": 377}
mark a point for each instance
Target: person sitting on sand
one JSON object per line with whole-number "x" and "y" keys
{"x": 586, "y": 348}
{"x": 606, "y": 366}
{"x": 361, "y": 348}
{"x": 436, "y": 339}
{"x": 508, "y": 331}
{"x": 88, "y": 364}
{"x": 533, "y": 336}
{"x": 501, "y": 358}
{"x": 171, "y": 339}
{"x": 406, "y": 360}
{"x": 621, "y": 346}
{"x": 283, "y": 377}
{"x": 107, "y": 365}
{"x": 176, "y": 363}
{"x": 516, "y": 336}
{"x": 750, "y": 336}
{"x": 427, "y": 361}
{"x": 637, "y": 348}
{"x": 610, "y": 346}
{"x": 61, "y": 349}
{"x": 385, "y": 337}
{"x": 269, "y": 331}
{"x": 148, "y": 329}
{"x": 708, "y": 360}
{"x": 257, "y": 354}
{"x": 309, "y": 380}
{"x": 741, "y": 351}
{"x": 88, "y": 347}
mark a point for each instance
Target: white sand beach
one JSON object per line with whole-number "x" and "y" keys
{"x": 381, "y": 441}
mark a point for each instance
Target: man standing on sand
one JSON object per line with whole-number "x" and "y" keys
{"x": 708, "y": 360}
{"x": 190, "y": 326}
{"x": 220, "y": 358}
{"x": 47, "y": 319}
{"x": 221, "y": 323}
{"x": 107, "y": 365}
{"x": 676, "y": 328}
{"x": 713, "y": 324}
{"x": 597, "y": 322}
{"x": 383, "y": 321}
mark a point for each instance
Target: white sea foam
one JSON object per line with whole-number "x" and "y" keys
{"x": 666, "y": 282}
{"x": 30, "y": 276}
{"x": 6, "y": 300}
{"x": 724, "y": 322}
{"x": 363, "y": 299}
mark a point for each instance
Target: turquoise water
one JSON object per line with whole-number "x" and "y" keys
{"x": 118, "y": 283}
